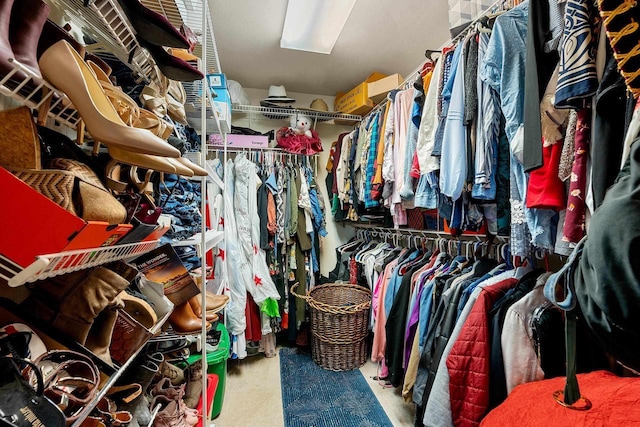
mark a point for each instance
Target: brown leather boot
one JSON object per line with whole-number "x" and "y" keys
{"x": 184, "y": 321}
{"x": 194, "y": 302}
{"x": 71, "y": 302}
{"x": 27, "y": 19}
{"x": 101, "y": 332}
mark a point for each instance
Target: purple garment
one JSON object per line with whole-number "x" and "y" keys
{"x": 412, "y": 324}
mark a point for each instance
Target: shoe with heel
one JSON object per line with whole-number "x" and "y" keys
{"x": 64, "y": 68}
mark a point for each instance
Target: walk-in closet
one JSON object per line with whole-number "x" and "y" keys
{"x": 319, "y": 213}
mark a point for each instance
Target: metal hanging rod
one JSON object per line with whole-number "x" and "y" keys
{"x": 427, "y": 233}
{"x": 498, "y": 5}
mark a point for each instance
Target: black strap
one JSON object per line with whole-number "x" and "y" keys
{"x": 571, "y": 388}
{"x": 34, "y": 368}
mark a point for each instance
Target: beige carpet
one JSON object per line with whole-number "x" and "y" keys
{"x": 253, "y": 396}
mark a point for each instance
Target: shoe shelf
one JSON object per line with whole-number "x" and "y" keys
{"x": 37, "y": 94}
{"x": 264, "y": 113}
{"x": 103, "y": 20}
{"x": 50, "y": 265}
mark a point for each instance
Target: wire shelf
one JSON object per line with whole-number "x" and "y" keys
{"x": 103, "y": 20}
{"x": 36, "y": 93}
{"x": 51, "y": 265}
{"x": 263, "y": 113}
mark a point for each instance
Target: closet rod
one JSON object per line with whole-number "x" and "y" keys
{"x": 468, "y": 247}
{"x": 414, "y": 74}
{"x": 261, "y": 150}
{"x": 430, "y": 233}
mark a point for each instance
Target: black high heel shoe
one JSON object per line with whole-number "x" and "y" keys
{"x": 152, "y": 26}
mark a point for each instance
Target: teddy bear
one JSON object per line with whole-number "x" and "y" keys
{"x": 299, "y": 138}
{"x": 301, "y": 125}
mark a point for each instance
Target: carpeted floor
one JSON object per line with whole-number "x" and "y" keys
{"x": 314, "y": 397}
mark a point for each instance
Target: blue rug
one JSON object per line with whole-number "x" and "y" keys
{"x": 314, "y": 397}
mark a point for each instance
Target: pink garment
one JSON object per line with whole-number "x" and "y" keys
{"x": 375, "y": 297}
{"x": 379, "y": 334}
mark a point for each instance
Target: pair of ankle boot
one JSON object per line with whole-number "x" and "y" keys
{"x": 186, "y": 318}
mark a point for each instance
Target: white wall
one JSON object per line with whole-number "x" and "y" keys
{"x": 339, "y": 233}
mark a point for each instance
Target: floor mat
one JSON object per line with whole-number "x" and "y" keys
{"x": 312, "y": 396}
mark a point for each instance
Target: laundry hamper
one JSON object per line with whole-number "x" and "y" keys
{"x": 339, "y": 324}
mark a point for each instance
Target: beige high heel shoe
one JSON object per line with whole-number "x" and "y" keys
{"x": 197, "y": 170}
{"x": 65, "y": 69}
{"x": 127, "y": 108}
{"x": 146, "y": 161}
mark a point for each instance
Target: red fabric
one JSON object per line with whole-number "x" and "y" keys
{"x": 292, "y": 142}
{"x": 468, "y": 361}
{"x": 614, "y": 400}
{"x": 574, "y": 221}
{"x": 415, "y": 166}
{"x": 546, "y": 190}
{"x": 353, "y": 271}
{"x": 253, "y": 332}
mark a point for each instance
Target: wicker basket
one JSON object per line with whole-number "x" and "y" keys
{"x": 339, "y": 325}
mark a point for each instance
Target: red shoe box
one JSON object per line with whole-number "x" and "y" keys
{"x": 34, "y": 225}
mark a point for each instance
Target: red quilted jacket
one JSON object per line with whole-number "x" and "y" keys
{"x": 468, "y": 361}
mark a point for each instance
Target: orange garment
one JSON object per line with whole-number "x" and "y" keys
{"x": 271, "y": 214}
{"x": 377, "y": 178}
{"x": 614, "y": 403}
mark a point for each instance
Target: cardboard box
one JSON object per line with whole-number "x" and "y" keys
{"x": 240, "y": 141}
{"x": 357, "y": 100}
{"x": 379, "y": 89}
{"x": 34, "y": 225}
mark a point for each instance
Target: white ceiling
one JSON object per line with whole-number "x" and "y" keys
{"x": 388, "y": 36}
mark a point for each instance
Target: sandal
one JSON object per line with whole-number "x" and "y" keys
{"x": 176, "y": 98}
{"x": 154, "y": 99}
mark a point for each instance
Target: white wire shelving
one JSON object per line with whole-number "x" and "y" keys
{"x": 253, "y": 112}
{"x": 22, "y": 86}
{"x": 50, "y": 265}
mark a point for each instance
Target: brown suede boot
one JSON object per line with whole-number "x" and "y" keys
{"x": 101, "y": 332}
{"x": 194, "y": 384}
{"x": 71, "y": 302}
